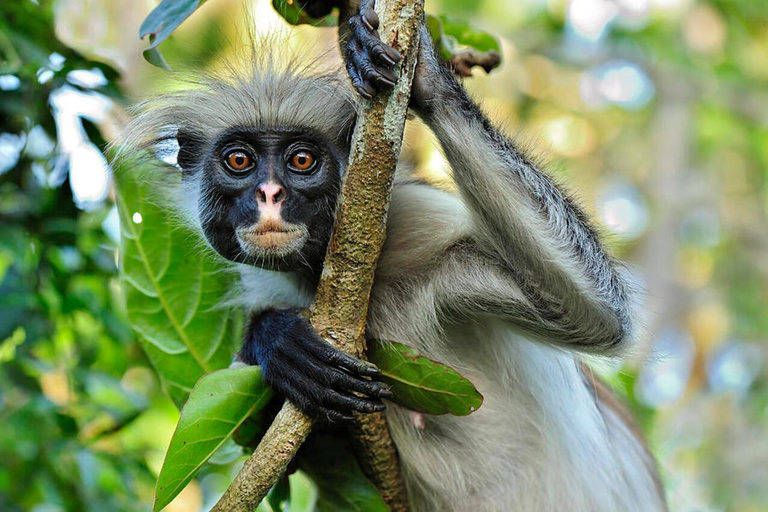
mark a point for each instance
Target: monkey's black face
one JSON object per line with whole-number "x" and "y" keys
{"x": 268, "y": 196}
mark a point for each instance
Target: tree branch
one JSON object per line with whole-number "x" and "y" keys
{"x": 341, "y": 304}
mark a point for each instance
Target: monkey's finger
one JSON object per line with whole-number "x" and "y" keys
{"x": 341, "y": 380}
{"x": 360, "y": 65}
{"x": 308, "y": 403}
{"x": 313, "y": 405}
{"x": 349, "y": 403}
{"x": 381, "y": 77}
{"x": 330, "y": 415}
{"x": 369, "y": 17}
{"x": 382, "y": 57}
{"x": 331, "y": 377}
{"x": 369, "y": 39}
{"x": 303, "y": 393}
{"x": 365, "y": 90}
{"x": 331, "y": 355}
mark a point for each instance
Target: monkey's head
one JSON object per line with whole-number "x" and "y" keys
{"x": 261, "y": 156}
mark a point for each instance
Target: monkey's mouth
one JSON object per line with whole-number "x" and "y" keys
{"x": 271, "y": 238}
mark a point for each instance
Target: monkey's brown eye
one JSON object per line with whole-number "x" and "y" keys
{"x": 302, "y": 161}
{"x": 238, "y": 161}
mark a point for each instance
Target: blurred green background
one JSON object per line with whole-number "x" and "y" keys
{"x": 653, "y": 112}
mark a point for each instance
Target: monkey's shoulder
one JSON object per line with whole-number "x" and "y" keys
{"x": 423, "y": 222}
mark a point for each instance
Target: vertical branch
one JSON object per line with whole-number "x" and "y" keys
{"x": 341, "y": 305}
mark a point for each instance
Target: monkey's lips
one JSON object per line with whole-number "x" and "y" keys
{"x": 271, "y": 238}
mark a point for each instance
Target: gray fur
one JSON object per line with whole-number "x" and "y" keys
{"x": 260, "y": 90}
{"x": 499, "y": 283}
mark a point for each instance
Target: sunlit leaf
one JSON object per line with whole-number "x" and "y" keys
{"x": 421, "y": 384}
{"x": 342, "y": 486}
{"x": 173, "y": 290}
{"x": 219, "y": 403}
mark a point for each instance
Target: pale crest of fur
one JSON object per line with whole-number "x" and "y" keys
{"x": 262, "y": 89}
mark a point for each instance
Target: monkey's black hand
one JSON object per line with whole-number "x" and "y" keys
{"x": 318, "y": 378}
{"x": 370, "y": 61}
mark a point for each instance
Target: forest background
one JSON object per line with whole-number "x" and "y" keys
{"x": 653, "y": 112}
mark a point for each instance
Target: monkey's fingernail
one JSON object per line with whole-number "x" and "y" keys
{"x": 386, "y": 81}
{"x": 386, "y": 393}
{"x": 363, "y": 92}
{"x": 370, "y": 18}
{"x": 370, "y": 89}
{"x": 389, "y": 76}
{"x": 387, "y": 59}
{"x": 393, "y": 54}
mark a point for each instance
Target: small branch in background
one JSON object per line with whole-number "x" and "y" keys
{"x": 341, "y": 305}
{"x": 463, "y": 62}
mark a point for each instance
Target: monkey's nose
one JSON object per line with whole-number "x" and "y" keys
{"x": 270, "y": 193}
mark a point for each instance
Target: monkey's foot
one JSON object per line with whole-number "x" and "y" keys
{"x": 370, "y": 61}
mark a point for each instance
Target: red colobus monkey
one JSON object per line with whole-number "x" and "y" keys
{"x": 504, "y": 281}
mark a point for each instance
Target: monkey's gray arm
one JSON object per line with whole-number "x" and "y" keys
{"x": 549, "y": 273}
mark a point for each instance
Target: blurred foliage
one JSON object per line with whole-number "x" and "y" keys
{"x": 71, "y": 375}
{"x": 654, "y": 110}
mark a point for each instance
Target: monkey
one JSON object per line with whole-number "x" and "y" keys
{"x": 505, "y": 281}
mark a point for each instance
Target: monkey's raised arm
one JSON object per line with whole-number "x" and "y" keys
{"x": 563, "y": 287}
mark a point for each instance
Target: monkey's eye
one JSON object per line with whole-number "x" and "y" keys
{"x": 238, "y": 161}
{"x": 302, "y": 161}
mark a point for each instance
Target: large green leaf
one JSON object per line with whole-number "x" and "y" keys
{"x": 173, "y": 289}
{"x": 161, "y": 22}
{"x": 341, "y": 484}
{"x": 220, "y": 402}
{"x": 421, "y": 384}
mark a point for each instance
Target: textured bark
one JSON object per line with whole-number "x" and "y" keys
{"x": 268, "y": 462}
{"x": 341, "y": 305}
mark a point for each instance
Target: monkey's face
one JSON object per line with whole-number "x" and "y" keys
{"x": 267, "y": 196}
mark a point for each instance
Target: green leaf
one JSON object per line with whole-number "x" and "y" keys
{"x": 279, "y": 495}
{"x": 294, "y": 15}
{"x": 173, "y": 289}
{"x": 460, "y": 40}
{"x": 155, "y": 57}
{"x": 219, "y": 403}
{"x": 341, "y": 484}
{"x": 421, "y": 384}
{"x": 161, "y": 22}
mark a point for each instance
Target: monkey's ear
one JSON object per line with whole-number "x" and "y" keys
{"x": 189, "y": 148}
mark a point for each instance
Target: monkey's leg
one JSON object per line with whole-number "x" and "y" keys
{"x": 318, "y": 378}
